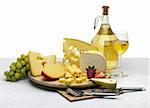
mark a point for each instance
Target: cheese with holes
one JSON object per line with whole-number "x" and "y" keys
{"x": 92, "y": 58}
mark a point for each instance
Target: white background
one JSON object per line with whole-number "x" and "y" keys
{"x": 41, "y": 25}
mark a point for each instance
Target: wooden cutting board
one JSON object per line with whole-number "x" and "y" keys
{"x": 56, "y": 84}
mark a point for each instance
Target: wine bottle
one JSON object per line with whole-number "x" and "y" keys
{"x": 104, "y": 40}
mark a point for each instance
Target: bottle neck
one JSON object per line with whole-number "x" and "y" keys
{"x": 105, "y": 19}
{"x": 105, "y": 28}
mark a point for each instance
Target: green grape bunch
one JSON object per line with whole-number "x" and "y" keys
{"x": 19, "y": 69}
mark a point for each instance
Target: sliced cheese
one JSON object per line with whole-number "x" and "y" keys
{"x": 73, "y": 69}
{"x": 38, "y": 62}
{"x": 69, "y": 68}
{"x": 54, "y": 71}
{"x": 35, "y": 63}
{"x": 92, "y": 58}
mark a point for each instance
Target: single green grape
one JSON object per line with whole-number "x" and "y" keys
{"x": 23, "y": 70}
{"x": 11, "y": 73}
{"x": 26, "y": 60}
{"x": 8, "y": 78}
{"x": 6, "y": 73}
{"x": 12, "y": 67}
{"x": 18, "y": 65}
{"x": 23, "y": 74}
{"x": 22, "y": 62}
{"x": 23, "y": 56}
{"x": 13, "y": 79}
{"x": 20, "y": 75}
{"x": 17, "y": 75}
{"x": 28, "y": 67}
{"x": 18, "y": 70}
{"x": 19, "y": 59}
{"x": 17, "y": 62}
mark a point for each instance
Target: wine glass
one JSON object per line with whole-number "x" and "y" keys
{"x": 121, "y": 46}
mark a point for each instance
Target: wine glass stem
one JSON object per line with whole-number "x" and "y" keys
{"x": 119, "y": 61}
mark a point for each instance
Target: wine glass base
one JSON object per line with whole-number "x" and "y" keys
{"x": 119, "y": 75}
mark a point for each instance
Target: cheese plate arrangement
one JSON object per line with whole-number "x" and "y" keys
{"x": 84, "y": 65}
{"x": 55, "y": 74}
{"x": 76, "y": 70}
{"x": 82, "y": 73}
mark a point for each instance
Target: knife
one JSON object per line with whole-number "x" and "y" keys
{"x": 79, "y": 93}
{"x": 103, "y": 92}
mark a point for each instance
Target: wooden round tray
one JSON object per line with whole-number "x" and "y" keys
{"x": 55, "y": 84}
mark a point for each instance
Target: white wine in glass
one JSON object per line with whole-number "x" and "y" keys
{"x": 121, "y": 45}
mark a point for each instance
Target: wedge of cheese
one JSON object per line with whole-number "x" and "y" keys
{"x": 38, "y": 62}
{"x": 35, "y": 62}
{"x": 92, "y": 58}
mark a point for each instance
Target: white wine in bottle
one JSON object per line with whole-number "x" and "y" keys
{"x": 104, "y": 41}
